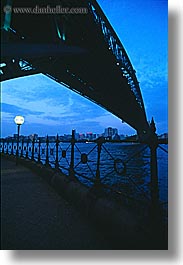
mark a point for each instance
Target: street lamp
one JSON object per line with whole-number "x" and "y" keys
{"x": 19, "y": 120}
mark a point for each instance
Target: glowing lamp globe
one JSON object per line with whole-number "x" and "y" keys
{"x": 19, "y": 120}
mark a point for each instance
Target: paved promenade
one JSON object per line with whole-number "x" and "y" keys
{"x": 34, "y": 216}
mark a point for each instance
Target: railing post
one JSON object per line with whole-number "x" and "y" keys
{"x": 155, "y": 210}
{"x": 39, "y": 150}
{"x": 3, "y": 146}
{"x": 12, "y": 147}
{"x": 7, "y": 146}
{"x": 17, "y": 151}
{"x": 100, "y": 141}
{"x": 153, "y": 165}
{"x": 71, "y": 169}
{"x": 155, "y": 213}
{"x": 27, "y": 149}
{"x": 22, "y": 148}
{"x": 154, "y": 175}
{"x": 33, "y": 142}
{"x": 56, "y": 159}
{"x": 47, "y": 154}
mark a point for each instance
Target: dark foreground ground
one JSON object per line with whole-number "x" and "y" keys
{"x": 34, "y": 216}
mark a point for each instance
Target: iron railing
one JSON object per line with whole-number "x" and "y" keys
{"x": 122, "y": 170}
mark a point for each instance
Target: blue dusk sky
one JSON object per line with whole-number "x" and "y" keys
{"x": 50, "y": 108}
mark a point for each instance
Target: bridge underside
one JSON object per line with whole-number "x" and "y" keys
{"x": 72, "y": 50}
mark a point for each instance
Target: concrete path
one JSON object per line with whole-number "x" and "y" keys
{"x": 34, "y": 216}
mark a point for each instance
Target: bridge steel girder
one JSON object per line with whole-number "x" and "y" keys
{"x": 81, "y": 51}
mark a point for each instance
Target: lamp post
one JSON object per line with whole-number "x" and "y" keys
{"x": 19, "y": 120}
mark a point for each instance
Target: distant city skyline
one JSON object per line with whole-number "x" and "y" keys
{"x": 84, "y": 134}
{"x": 104, "y": 132}
{"x": 50, "y": 108}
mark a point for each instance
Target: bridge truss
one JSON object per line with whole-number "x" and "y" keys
{"x": 80, "y": 51}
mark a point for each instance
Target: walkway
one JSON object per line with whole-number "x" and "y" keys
{"x": 35, "y": 217}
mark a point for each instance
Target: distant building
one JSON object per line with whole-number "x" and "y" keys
{"x": 67, "y": 137}
{"x": 89, "y": 136}
{"x": 122, "y": 137}
{"x": 94, "y": 136}
{"x": 9, "y": 138}
{"x": 116, "y": 137}
{"x": 99, "y": 135}
{"x": 33, "y": 136}
{"x": 15, "y": 136}
{"x": 42, "y": 138}
{"x": 163, "y": 136}
{"x": 110, "y": 132}
{"x": 82, "y": 136}
{"x": 21, "y": 137}
{"x": 26, "y": 138}
{"x": 77, "y": 136}
{"x": 132, "y": 138}
{"x": 52, "y": 138}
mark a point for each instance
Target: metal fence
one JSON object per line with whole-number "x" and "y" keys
{"x": 98, "y": 165}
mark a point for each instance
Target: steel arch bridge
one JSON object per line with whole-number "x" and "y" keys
{"x": 81, "y": 51}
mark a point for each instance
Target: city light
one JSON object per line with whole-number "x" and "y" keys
{"x": 19, "y": 120}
